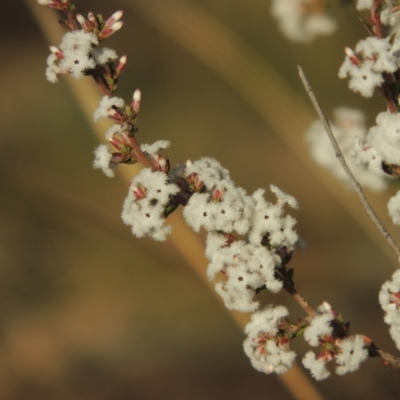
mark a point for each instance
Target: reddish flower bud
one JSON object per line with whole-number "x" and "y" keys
{"x": 139, "y": 192}
{"x": 218, "y": 195}
{"x": 91, "y": 17}
{"x": 55, "y": 50}
{"x": 115, "y": 141}
{"x": 120, "y": 66}
{"x": 270, "y": 369}
{"x": 395, "y": 299}
{"x": 118, "y": 158}
{"x": 55, "y": 4}
{"x": 114, "y": 18}
{"x": 195, "y": 181}
{"x": 81, "y": 19}
{"x": 160, "y": 163}
{"x": 352, "y": 56}
{"x": 109, "y": 30}
{"x": 135, "y": 104}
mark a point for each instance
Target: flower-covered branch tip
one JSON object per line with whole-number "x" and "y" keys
{"x": 79, "y": 53}
{"x": 250, "y": 240}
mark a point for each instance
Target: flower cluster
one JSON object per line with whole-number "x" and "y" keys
{"x": 394, "y": 208}
{"x": 240, "y": 267}
{"x": 302, "y": 20}
{"x": 384, "y": 139}
{"x": 243, "y": 267}
{"x": 387, "y": 8}
{"x": 212, "y": 201}
{"x": 240, "y": 270}
{"x": 329, "y": 333}
{"x": 268, "y": 339}
{"x": 365, "y": 67}
{"x": 73, "y": 56}
{"x": 79, "y": 54}
{"x": 216, "y": 203}
{"x": 145, "y": 207}
{"x": 349, "y": 129}
{"x": 389, "y": 298}
{"x": 120, "y": 134}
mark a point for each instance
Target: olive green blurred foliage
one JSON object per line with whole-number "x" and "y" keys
{"x": 89, "y": 312}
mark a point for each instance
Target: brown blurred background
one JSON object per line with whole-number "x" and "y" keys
{"x": 89, "y": 312}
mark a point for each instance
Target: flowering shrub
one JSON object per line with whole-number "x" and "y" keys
{"x": 250, "y": 241}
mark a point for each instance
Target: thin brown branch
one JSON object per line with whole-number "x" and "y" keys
{"x": 388, "y": 359}
{"x": 387, "y": 94}
{"x": 339, "y": 155}
{"x": 140, "y": 156}
{"x": 304, "y": 304}
{"x": 288, "y": 286}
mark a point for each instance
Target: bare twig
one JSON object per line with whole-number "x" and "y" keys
{"x": 339, "y": 156}
{"x": 388, "y": 359}
{"x": 297, "y": 297}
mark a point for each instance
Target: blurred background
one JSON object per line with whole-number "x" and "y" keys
{"x": 89, "y": 312}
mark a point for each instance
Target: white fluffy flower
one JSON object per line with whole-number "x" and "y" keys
{"x": 388, "y": 17}
{"x": 348, "y": 353}
{"x": 144, "y": 207}
{"x": 267, "y": 220}
{"x": 104, "y": 55}
{"x": 76, "y": 48}
{"x": 52, "y": 69}
{"x": 351, "y": 353}
{"x": 266, "y": 320}
{"x": 105, "y": 104}
{"x": 363, "y": 79}
{"x": 244, "y": 267}
{"x": 389, "y": 298}
{"x": 209, "y": 170}
{"x": 102, "y": 160}
{"x": 379, "y": 51}
{"x": 316, "y": 366}
{"x": 222, "y": 206}
{"x": 394, "y": 208}
{"x": 366, "y": 157}
{"x": 373, "y": 56}
{"x": 114, "y": 130}
{"x": 385, "y": 137}
{"x": 230, "y": 213}
{"x": 318, "y": 328}
{"x": 152, "y": 149}
{"x": 349, "y": 129}
{"x": 268, "y": 352}
{"x": 298, "y": 21}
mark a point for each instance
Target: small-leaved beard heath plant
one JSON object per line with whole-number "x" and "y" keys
{"x": 250, "y": 240}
